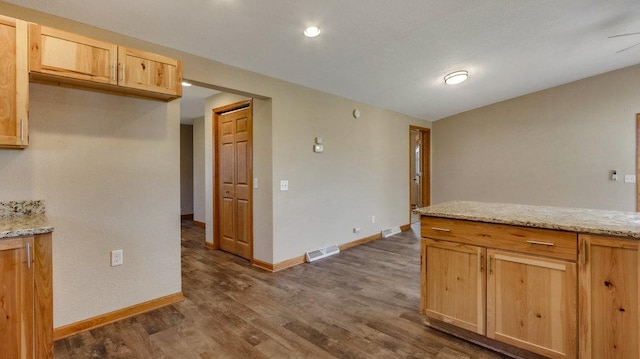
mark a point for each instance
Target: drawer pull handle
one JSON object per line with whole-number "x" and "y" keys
{"x": 28, "y": 255}
{"x": 542, "y": 243}
{"x": 438, "y": 229}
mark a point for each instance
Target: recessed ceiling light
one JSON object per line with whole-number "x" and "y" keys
{"x": 312, "y": 31}
{"x": 456, "y": 77}
{"x": 185, "y": 84}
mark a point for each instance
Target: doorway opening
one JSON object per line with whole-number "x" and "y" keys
{"x": 419, "y": 169}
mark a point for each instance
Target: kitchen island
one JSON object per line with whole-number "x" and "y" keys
{"x": 533, "y": 281}
{"x": 26, "y": 295}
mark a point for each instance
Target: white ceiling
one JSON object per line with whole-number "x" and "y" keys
{"x": 192, "y": 102}
{"x": 392, "y": 54}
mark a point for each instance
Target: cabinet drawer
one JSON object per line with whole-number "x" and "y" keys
{"x": 543, "y": 242}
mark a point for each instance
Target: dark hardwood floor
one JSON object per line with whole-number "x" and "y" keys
{"x": 362, "y": 303}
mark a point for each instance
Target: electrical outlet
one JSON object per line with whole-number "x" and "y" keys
{"x": 373, "y": 219}
{"x": 116, "y": 258}
{"x": 284, "y": 185}
{"x": 356, "y": 229}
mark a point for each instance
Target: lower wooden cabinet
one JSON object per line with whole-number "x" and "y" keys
{"x": 532, "y": 303}
{"x": 16, "y": 298}
{"x": 26, "y": 303}
{"x": 454, "y": 285}
{"x": 525, "y": 297}
{"x": 609, "y": 318}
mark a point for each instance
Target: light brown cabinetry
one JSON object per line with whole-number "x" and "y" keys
{"x": 454, "y": 287}
{"x": 66, "y": 58}
{"x": 609, "y": 316}
{"x": 14, "y": 84}
{"x": 16, "y": 298}
{"x": 515, "y": 285}
{"x": 532, "y": 303}
{"x": 26, "y": 319}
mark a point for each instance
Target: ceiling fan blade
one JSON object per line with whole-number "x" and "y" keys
{"x": 627, "y": 48}
{"x": 621, "y": 35}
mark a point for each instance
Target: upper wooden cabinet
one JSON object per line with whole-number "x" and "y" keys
{"x": 149, "y": 72}
{"x": 60, "y": 53}
{"x": 14, "y": 84}
{"x": 62, "y": 57}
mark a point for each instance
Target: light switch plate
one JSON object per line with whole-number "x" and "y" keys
{"x": 255, "y": 183}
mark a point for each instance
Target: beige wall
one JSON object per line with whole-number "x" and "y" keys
{"x": 553, "y": 147}
{"x": 199, "y": 187}
{"x": 108, "y": 168}
{"x": 364, "y": 171}
{"x": 186, "y": 169}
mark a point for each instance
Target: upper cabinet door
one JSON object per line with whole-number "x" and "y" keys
{"x": 60, "y": 53}
{"x": 149, "y": 72}
{"x": 14, "y": 84}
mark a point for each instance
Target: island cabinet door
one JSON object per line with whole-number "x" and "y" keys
{"x": 532, "y": 303}
{"x": 609, "y": 298}
{"x": 453, "y": 284}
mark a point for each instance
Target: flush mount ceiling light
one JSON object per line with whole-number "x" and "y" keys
{"x": 312, "y": 31}
{"x": 185, "y": 84}
{"x": 456, "y": 77}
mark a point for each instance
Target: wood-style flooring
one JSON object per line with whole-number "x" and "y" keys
{"x": 362, "y": 303}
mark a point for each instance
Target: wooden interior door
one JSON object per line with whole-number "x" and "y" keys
{"x": 16, "y": 298}
{"x": 420, "y": 169}
{"x": 532, "y": 303}
{"x": 454, "y": 284}
{"x": 234, "y": 175}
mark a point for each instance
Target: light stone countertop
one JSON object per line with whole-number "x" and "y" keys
{"x": 592, "y": 221}
{"x": 23, "y": 218}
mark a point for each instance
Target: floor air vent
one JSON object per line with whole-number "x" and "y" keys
{"x": 391, "y": 231}
{"x": 322, "y": 253}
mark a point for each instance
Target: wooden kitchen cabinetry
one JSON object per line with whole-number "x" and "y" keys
{"x": 14, "y": 84}
{"x": 454, "y": 288}
{"x": 26, "y": 317}
{"x": 61, "y": 57}
{"x": 609, "y": 317}
{"x": 532, "y": 303}
{"x": 515, "y": 285}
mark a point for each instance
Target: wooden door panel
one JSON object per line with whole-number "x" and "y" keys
{"x": 227, "y": 163}
{"x": 243, "y": 237}
{"x": 532, "y": 303}
{"x": 242, "y": 170}
{"x": 227, "y": 227}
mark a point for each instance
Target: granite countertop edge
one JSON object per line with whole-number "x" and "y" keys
{"x": 24, "y": 232}
{"x": 23, "y": 218}
{"x": 587, "y": 221}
